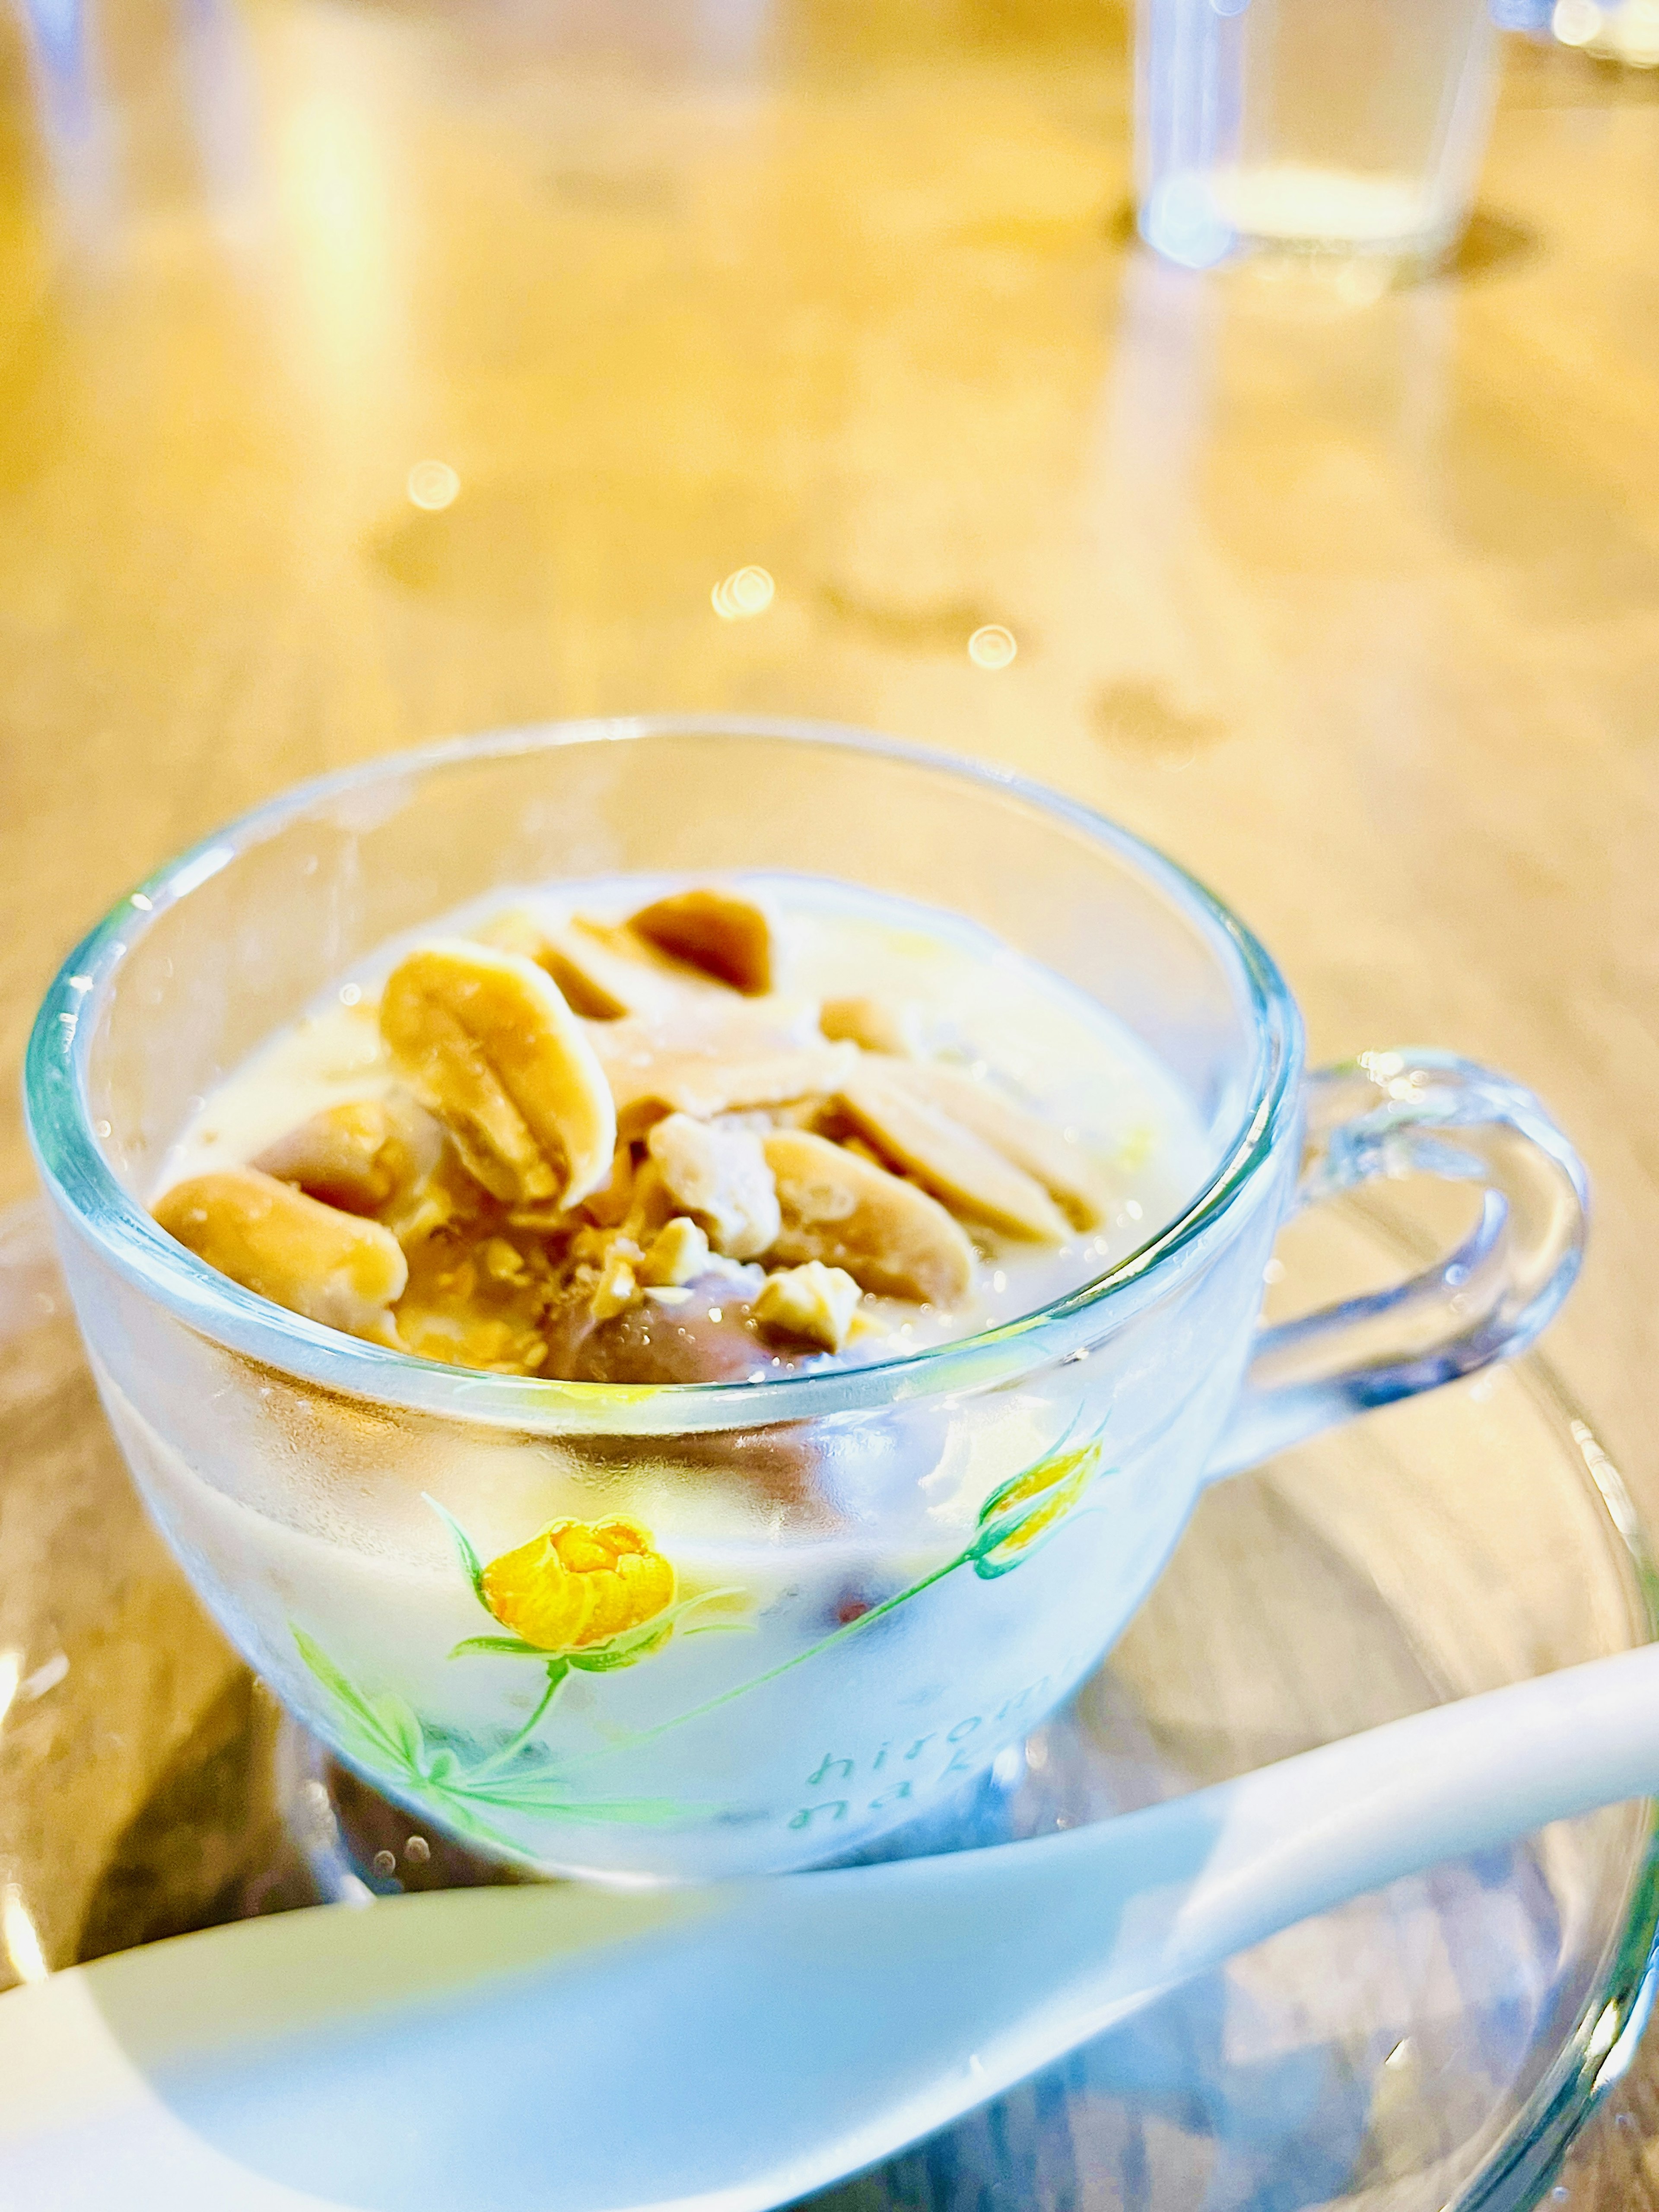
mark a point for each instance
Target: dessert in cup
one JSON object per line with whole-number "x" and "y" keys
{"x": 673, "y": 1283}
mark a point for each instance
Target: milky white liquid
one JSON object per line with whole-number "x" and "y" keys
{"x": 328, "y": 1530}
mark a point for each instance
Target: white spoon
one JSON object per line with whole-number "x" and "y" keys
{"x": 573, "y": 2049}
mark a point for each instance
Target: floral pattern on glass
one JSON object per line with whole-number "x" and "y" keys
{"x": 592, "y": 1597}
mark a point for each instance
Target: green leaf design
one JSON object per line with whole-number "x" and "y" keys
{"x": 541, "y": 1805}
{"x": 329, "y": 1676}
{"x": 387, "y": 1733}
{"x": 396, "y": 1717}
{"x": 615, "y": 1652}
{"x": 499, "y": 1647}
{"x": 471, "y": 1566}
{"x": 359, "y": 1716}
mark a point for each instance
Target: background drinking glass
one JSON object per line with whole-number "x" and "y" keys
{"x": 1311, "y": 127}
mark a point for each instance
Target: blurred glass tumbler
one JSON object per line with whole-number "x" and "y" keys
{"x": 1348, "y": 130}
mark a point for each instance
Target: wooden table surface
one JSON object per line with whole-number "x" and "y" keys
{"x": 1350, "y": 600}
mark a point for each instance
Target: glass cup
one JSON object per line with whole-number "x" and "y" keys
{"x": 906, "y": 1563}
{"x": 1314, "y": 128}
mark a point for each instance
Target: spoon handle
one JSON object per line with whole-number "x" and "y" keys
{"x": 939, "y": 1982}
{"x": 1193, "y": 1881}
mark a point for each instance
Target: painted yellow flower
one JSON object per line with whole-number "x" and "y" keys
{"x": 574, "y": 1585}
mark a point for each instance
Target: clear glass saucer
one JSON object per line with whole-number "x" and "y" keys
{"x": 1434, "y": 2045}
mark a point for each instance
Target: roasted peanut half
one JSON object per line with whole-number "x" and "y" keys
{"x": 1064, "y": 1169}
{"x": 606, "y": 974}
{"x": 487, "y": 1041}
{"x": 273, "y": 1240}
{"x": 720, "y": 932}
{"x": 891, "y": 1238}
{"x": 967, "y": 1173}
{"x": 878, "y": 1025}
{"x": 721, "y": 1178}
{"x": 583, "y": 981}
{"x": 368, "y": 1156}
{"x": 649, "y": 1085}
{"x": 338, "y": 1156}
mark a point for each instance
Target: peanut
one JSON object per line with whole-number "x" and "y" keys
{"x": 381, "y": 1156}
{"x": 678, "y": 1253}
{"x": 878, "y": 1025}
{"x": 813, "y": 1303}
{"x": 1063, "y": 1169}
{"x": 647, "y": 1085}
{"x": 958, "y": 1167}
{"x": 605, "y": 973}
{"x": 721, "y": 1178}
{"x": 616, "y": 1289}
{"x": 891, "y": 1238}
{"x": 332, "y": 1267}
{"x": 720, "y": 932}
{"x": 488, "y": 1042}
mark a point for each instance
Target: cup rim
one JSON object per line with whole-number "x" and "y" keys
{"x": 100, "y": 1210}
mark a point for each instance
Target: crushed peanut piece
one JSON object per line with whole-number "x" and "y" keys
{"x": 595, "y": 1246}
{"x": 721, "y": 1178}
{"x": 877, "y": 1024}
{"x": 891, "y": 1238}
{"x": 720, "y": 932}
{"x": 652, "y": 1206}
{"x": 491, "y": 1046}
{"x": 332, "y": 1267}
{"x": 678, "y": 1253}
{"x": 610, "y": 1202}
{"x": 478, "y": 1297}
{"x": 1064, "y": 1169}
{"x": 814, "y": 1303}
{"x": 503, "y": 1262}
{"x": 958, "y": 1167}
{"x": 616, "y": 1289}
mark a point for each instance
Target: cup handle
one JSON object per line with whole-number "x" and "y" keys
{"x": 1396, "y": 1114}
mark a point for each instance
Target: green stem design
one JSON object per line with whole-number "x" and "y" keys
{"x": 755, "y": 1681}
{"x": 556, "y": 1671}
{"x": 991, "y": 1535}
